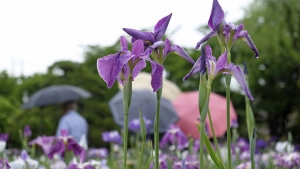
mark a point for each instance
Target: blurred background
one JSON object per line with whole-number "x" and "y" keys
{"x": 47, "y": 43}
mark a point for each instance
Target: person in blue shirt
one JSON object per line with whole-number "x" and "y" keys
{"x": 73, "y": 122}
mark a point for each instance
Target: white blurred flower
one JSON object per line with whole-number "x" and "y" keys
{"x": 2, "y": 146}
{"x": 284, "y": 146}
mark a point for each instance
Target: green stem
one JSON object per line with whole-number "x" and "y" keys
{"x": 126, "y": 105}
{"x": 141, "y": 155}
{"x": 156, "y": 128}
{"x": 202, "y": 120}
{"x": 214, "y": 135}
{"x": 228, "y": 79}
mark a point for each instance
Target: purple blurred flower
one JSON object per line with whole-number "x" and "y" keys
{"x": 261, "y": 144}
{"x": 6, "y": 166}
{"x": 64, "y": 143}
{"x": 234, "y": 123}
{"x": 112, "y": 137}
{"x": 81, "y": 164}
{"x": 288, "y": 160}
{"x": 98, "y": 152}
{"x": 4, "y": 136}
{"x": 118, "y": 66}
{"x": 44, "y": 141}
{"x": 187, "y": 163}
{"x": 231, "y": 32}
{"x": 175, "y": 136}
{"x": 214, "y": 68}
{"x": 27, "y": 132}
{"x": 134, "y": 124}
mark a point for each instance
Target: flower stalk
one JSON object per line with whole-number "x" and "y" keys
{"x": 156, "y": 128}
{"x": 228, "y": 80}
{"x": 126, "y": 105}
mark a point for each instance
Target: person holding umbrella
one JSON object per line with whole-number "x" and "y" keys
{"x": 73, "y": 122}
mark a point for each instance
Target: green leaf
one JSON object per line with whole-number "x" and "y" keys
{"x": 211, "y": 151}
{"x": 142, "y": 126}
{"x": 148, "y": 162}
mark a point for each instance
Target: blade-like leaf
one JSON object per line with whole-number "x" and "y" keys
{"x": 211, "y": 151}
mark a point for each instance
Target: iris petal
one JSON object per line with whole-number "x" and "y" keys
{"x": 206, "y": 37}
{"x": 136, "y": 34}
{"x": 110, "y": 66}
{"x": 181, "y": 52}
{"x": 216, "y": 15}
{"x": 156, "y": 75}
{"x": 246, "y": 37}
{"x": 239, "y": 76}
{"x": 161, "y": 27}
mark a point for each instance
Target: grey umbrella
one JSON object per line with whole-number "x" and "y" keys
{"x": 146, "y": 100}
{"x": 54, "y": 95}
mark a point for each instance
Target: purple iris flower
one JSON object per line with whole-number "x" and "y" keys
{"x": 215, "y": 67}
{"x": 27, "y": 132}
{"x": 187, "y": 163}
{"x": 134, "y": 124}
{"x": 4, "y": 136}
{"x": 98, "y": 152}
{"x": 175, "y": 136}
{"x": 151, "y": 37}
{"x": 153, "y": 44}
{"x": 44, "y": 141}
{"x": 234, "y": 123}
{"x": 112, "y": 137}
{"x": 121, "y": 64}
{"x": 81, "y": 164}
{"x": 65, "y": 143}
{"x": 230, "y": 31}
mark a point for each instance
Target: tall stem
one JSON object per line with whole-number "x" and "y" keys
{"x": 126, "y": 105}
{"x": 156, "y": 128}
{"x": 202, "y": 120}
{"x": 214, "y": 135}
{"x": 228, "y": 79}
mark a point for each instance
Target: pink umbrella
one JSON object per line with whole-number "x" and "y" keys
{"x": 186, "y": 105}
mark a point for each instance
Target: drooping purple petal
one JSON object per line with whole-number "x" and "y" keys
{"x": 6, "y": 166}
{"x": 181, "y": 52}
{"x": 44, "y": 141}
{"x": 222, "y": 62}
{"x": 27, "y": 132}
{"x": 156, "y": 75}
{"x": 199, "y": 66}
{"x": 239, "y": 76}
{"x": 136, "y": 34}
{"x": 4, "y": 136}
{"x": 58, "y": 147}
{"x": 246, "y": 37}
{"x": 141, "y": 64}
{"x": 110, "y": 66}
{"x": 72, "y": 145}
{"x": 164, "y": 140}
{"x": 82, "y": 156}
{"x": 137, "y": 48}
{"x": 123, "y": 43}
{"x": 216, "y": 15}
{"x": 206, "y": 37}
{"x": 161, "y": 27}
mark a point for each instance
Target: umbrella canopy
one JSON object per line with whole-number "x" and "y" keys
{"x": 54, "y": 95}
{"x": 146, "y": 101}
{"x": 143, "y": 81}
{"x": 186, "y": 106}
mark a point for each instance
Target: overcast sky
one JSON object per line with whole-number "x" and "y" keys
{"x": 36, "y": 33}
